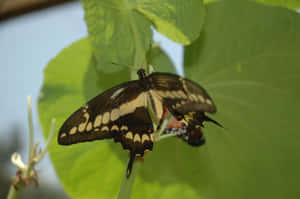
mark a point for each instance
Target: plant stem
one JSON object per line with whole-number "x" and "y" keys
{"x": 140, "y": 51}
{"x": 50, "y": 138}
{"x": 25, "y": 170}
{"x": 13, "y": 193}
{"x": 127, "y": 183}
{"x": 31, "y": 133}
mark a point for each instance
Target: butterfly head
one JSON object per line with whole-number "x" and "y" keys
{"x": 141, "y": 73}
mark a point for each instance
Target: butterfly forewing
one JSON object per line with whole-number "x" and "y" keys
{"x": 180, "y": 95}
{"x": 186, "y": 101}
{"x": 118, "y": 113}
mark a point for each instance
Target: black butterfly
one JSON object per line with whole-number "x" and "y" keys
{"x": 121, "y": 112}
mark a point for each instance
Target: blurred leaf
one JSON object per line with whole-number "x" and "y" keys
{"x": 210, "y": 1}
{"x": 175, "y": 18}
{"x": 291, "y": 4}
{"x": 249, "y": 63}
{"x": 94, "y": 169}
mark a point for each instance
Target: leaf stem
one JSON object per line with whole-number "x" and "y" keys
{"x": 127, "y": 183}
{"x": 140, "y": 51}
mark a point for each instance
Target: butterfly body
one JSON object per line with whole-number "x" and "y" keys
{"x": 121, "y": 113}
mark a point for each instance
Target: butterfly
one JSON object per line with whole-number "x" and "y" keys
{"x": 121, "y": 113}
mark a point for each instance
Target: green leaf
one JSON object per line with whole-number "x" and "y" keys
{"x": 291, "y": 4}
{"x": 179, "y": 20}
{"x": 94, "y": 169}
{"x": 210, "y": 1}
{"x": 118, "y": 33}
{"x": 160, "y": 61}
{"x": 249, "y": 63}
{"x": 120, "y": 30}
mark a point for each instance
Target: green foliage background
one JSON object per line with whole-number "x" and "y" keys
{"x": 247, "y": 56}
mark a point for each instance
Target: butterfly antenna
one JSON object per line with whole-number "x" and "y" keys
{"x": 117, "y": 64}
{"x": 213, "y": 121}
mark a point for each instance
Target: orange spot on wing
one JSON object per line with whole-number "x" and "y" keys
{"x": 173, "y": 123}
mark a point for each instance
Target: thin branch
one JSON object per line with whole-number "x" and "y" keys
{"x": 27, "y": 173}
{"x": 49, "y": 140}
{"x": 31, "y": 133}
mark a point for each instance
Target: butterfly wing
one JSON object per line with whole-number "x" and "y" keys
{"x": 119, "y": 113}
{"x": 180, "y": 95}
{"x": 186, "y": 101}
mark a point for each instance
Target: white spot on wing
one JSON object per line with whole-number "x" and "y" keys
{"x": 98, "y": 120}
{"x": 73, "y": 130}
{"x": 82, "y": 126}
{"x": 114, "y": 128}
{"x": 105, "y": 118}
{"x": 184, "y": 85}
{"x": 124, "y": 128}
{"x": 114, "y": 115}
{"x": 105, "y": 128}
{"x": 181, "y": 94}
{"x": 208, "y": 102}
{"x": 116, "y": 93}
{"x": 89, "y": 126}
{"x": 129, "y": 135}
{"x": 63, "y": 135}
{"x": 137, "y": 138}
{"x": 145, "y": 138}
{"x": 193, "y": 97}
{"x": 201, "y": 98}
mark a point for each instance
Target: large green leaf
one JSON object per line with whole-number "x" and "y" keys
{"x": 120, "y": 30}
{"x": 250, "y": 63}
{"x": 95, "y": 169}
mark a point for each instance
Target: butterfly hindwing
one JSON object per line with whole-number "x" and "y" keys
{"x": 119, "y": 113}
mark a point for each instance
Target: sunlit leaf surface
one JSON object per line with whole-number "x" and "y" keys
{"x": 249, "y": 62}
